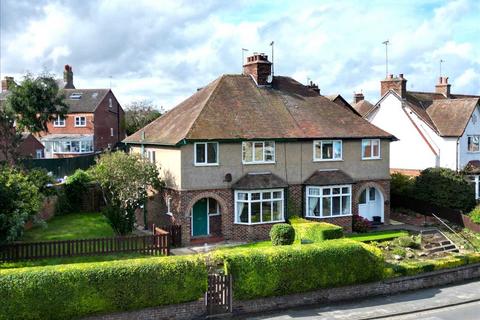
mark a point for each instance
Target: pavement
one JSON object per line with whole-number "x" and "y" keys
{"x": 207, "y": 247}
{"x": 458, "y": 302}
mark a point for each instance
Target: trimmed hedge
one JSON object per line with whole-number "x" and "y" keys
{"x": 71, "y": 291}
{"x": 475, "y": 215}
{"x": 284, "y": 270}
{"x": 314, "y": 231}
{"x": 282, "y": 234}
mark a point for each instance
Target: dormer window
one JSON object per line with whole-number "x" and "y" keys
{"x": 76, "y": 96}
{"x": 59, "y": 122}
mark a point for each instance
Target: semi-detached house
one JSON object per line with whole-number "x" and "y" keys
{"x": 246, "y": 151}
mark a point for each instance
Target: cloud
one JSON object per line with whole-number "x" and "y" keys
{"x": 165, "y": 50}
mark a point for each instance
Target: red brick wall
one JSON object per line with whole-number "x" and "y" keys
{"x": 70, "y": 125}
{"x": 106, "y": 118}
{"x": 29, "y": 146}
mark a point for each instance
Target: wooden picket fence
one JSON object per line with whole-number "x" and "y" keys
{"x": 157, "y": 244}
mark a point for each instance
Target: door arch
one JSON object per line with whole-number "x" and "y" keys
{"x": 370, "y": 203}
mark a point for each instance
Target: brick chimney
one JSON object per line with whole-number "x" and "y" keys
{"x": 443, "y": 87}
{"x": 314, "y": 87}
{"x": 7, "y": 83}
{"x": 68, "y": 77}
{"x": 397, "y": 84}
{"x": 357, "y": 97}
{"x": 258, "y": 67}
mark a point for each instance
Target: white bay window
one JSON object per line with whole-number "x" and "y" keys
{"x": 329, "y": 201}
{"x": 259, "y": 206}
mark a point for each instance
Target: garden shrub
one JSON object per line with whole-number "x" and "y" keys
{"x": 70, "y": 196}
{"x": 402, "y": 184}
{"x": 77, "y": 290}
{"x": 405, "y": 242}
{"x": 283, "y": 270}
{"x": 475, "y": 215}
{"x": 282, "y": 234}
{"x": 43, "y": 181}
{"x": 445, "y": 188}
{"x": 360, "y": 224}
{"x": 314, "y": 231}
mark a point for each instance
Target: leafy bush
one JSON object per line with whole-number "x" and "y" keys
{"x": 70, "y": 196}
{"x": 42, "y": 180}
{"x": 282, "y": 270}
{"x": 405, "y": 242}
{"x": 119, "y": 220}
{"x": 475, "y": 215}
{"x": 19, "y": 201}
{"x": 445, "y": 188}
{"x": 314, "y": 231}
{"x": 282, "y": 234}
{"x": 360, "y": 224}
{"x": 77, "y": 290}
{"x": 402, "y": 184}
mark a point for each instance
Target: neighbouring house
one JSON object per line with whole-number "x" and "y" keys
{"x": 435, "y": 129}
{"x": 246, "y": 151}
{"x": 338, "y": 99}
{"x": 29, "y": 146}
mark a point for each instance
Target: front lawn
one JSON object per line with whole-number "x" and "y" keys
{"x": 71, "y": 226}
{"x": 378, "y": 235}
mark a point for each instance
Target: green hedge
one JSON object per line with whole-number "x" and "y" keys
{"x": 71, "y": 291}
{"x": 475, "y": 215}
{"x": 314, "y": 231}
{"x": 282, "y": 234}
{"x": 277, "y": 271}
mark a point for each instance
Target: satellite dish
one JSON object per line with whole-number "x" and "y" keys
{"x": 269, "y": 79}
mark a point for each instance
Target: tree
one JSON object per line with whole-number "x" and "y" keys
{"x": 140, "y": 113}
{"x": 20, "y": 199}
{"x": 125, "y": 180}
{"x": 29, "y": 107}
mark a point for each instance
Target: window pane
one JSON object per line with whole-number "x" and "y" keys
{"x": 327, "y": 150}
{"x": 258, "y": 151}
{"x": 371, "y": 193}
{"x": 266, "y": 195}
{"x": 212, "y": 206}
{"x": 344, "y": 190}
{"x": 375, "y": 148}
{"x": 345, "y": 204}
{"x": 266, "y": 211}
{"x": 200, "y": 152}
{"x": 277, "y": 210}
{"x": 277, "y": 195}
{"x": 366, "y": 149}
{"x": 326, "y": 192}
{"x": 314, "y": 206}
{"x": 242, "y": 212}
{"x": 212, "y": 152}
{"x": 255, "y": 212}
{"x": 255, "y": 196}
{"x": 337, "y": 152}
{"x": 75, "y": 146}
{"x": 247, "y": 151}
{"x": 318, "y": 150}
{"x": 269, "y": 151}
{"x": 314, "y": 191}
{"x": 363, "y": 197}
{"x": 326, "y": 206}
{"x": 336, "y": 190}
{"x": 335, "y": 206}
{"x": 242, "y": 196}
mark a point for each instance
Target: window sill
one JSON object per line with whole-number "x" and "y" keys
{"x": 80, "y": 126}
{"x": 206, "y": 164}
{"x": 169, "y": 214}
{"x": 213, "y": 214}
{"x": 371, "y": 159}
{"x": 250, "y": 163}
{"x": 258, "y": 223}
{"x": 329, "y": 217}
{"x": 327, "y": 160}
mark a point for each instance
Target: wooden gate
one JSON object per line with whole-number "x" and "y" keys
{"x": 219, "y": 294}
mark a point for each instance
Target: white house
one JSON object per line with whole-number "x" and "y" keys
{"x": 435, "y": 129}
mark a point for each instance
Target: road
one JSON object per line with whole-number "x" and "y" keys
{"x": 459, "y": 302}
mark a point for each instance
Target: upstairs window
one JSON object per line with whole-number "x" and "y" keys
{"x": 370, "y": 149}
{"x": 473, "y": 143}
{"x": 258, "y": 152}
{"x": 110, "y": 103}
{"x": 325, "y": 150}
{"x": 80, "y": 121}
{"x": 59, "y": 122}
{"x": 206, "y": 153}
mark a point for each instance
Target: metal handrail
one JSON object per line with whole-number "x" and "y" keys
{"x": 454, "y": 232}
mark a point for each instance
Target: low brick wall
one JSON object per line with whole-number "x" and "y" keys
{"x": 197, "y": 309}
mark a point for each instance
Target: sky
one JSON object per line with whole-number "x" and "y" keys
{"x": 164, "y": 50}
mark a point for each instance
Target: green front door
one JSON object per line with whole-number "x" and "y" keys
{"x": 200, "y": 218}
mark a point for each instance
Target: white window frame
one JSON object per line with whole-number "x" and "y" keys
{"x": 475, "y": 180}
{"x": 322, "y": 142}
{"x": 469, "y": 137}
{"x": 59, "y": 122}
{"x": 78, "y": 121}
{"x": 110, "y": 103}
{"x": 150, "y": 155}
{"x": 205, "y": 146}
{"x": 331, "y": 195}
{"x": 217, "y": 213}
{"x": 169, "y": 206}
{"x": 249, "y": 201}
{"x": 253, "y": 161}
{"x": 39, "y": 154}
{"x": 372, "y": 157}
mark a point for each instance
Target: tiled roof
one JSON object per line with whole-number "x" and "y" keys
{"x": 328, "y": 177}
{"x": 363, "y": 107}
{"x": 447, "y": 116}
{"x": 232, "y": 107}
{"x": 253, "y": 181}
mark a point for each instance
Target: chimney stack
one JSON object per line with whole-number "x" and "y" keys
{"x": 7, "y": 83}
{"x": 357, "y": 97}
{"x": 443, "y": 87}
{"x": 258, "y": 67}
{"x": 397, "y": 84}
{"x": 68, "y": 77}
{"x": 314, "y": 87}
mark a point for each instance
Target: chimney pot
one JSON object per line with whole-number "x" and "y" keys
{"x": 68, "y": 77}
{"x": 258, "y": 67}
{"x": 400, "y": 75}
{"x": 399, "y": 85}
{"x": 357, "y": 97}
